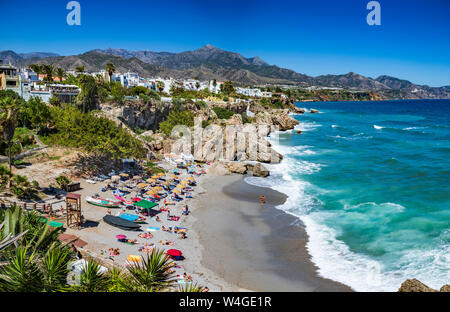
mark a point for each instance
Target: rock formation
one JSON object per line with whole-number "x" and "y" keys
{"x": 414, "y": 285}
{"x": 260, "y": 171}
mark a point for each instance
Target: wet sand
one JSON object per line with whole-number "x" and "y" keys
{"x": 253, "y": 246}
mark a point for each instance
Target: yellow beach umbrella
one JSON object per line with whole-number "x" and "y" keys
{"x": 142, "y": 185}
{"x": 151, "y": 192}
{"x": 134, "y": 258}
{"x": 157, "y": 188}
{"x": 161, "y": 174}
{"x": 174, "y": 176}
{"x": 190, "y": 178}
{"x": 151, "y": 180}
{"x": 155, "y": 176}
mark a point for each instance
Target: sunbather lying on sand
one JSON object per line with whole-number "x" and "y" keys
{"x": 146, "y": 249}
{"x": 164, "y": 242}
{"x": 183, "y": 235}
{"x": 187, "y": 278}
{"x": 146, "y": 235}
{"x": 114, "y": 251}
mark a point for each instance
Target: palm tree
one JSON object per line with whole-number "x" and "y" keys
{"x": 110, "y": 68}
{"x": 36, "y": 68}
{"x": 49, "y": 71}
{"x": 9, "y": 110}
{"x": 60, "y": 73}
{"x": 79, "y": 69}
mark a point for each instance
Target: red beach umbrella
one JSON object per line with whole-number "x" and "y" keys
{"x": 174, "y": 252}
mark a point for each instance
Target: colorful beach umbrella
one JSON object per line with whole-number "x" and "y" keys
{"x": 174, "y": 252}
{"x": 142, "y": 185}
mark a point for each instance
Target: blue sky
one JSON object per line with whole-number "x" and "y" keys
{"x": 314, "y": 37}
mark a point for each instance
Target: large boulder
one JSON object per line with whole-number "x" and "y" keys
{"x": 414, "y": 285}
{"x": 236, "y": 119}
{"x": 284, "y": 121}
{"x": 218, "y": 169}
{"x": 313, "y": 111}
{"x": 260, "y": 171}
{"x": 299, "y": 110}
{"x": 445, "y": 288}
{"x": 235, "y": 166}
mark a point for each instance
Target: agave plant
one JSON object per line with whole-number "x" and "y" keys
{"x": 9, "y": 239}
{"x": 152, "y": 274}
{"x": 190, "y": 288}
{"x": 22, "y": 273}
{"x": 26, "y": 270}
{"x": 55, "y": 268}
{"x": 92, "y": 279}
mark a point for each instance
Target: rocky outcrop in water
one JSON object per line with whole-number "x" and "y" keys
{"x": 414, "y": 285}
{"x": 259, "y": 170}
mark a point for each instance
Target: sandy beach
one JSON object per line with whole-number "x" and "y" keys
{"x": 251, "y": 246}
{"x": 234, "y": 243}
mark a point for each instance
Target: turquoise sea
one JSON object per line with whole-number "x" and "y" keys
{"x": 371, "y": 183}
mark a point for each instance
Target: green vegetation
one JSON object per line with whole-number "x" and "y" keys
{"x": 93, "y": 134}
{"x": 175, "y": 118}
{"x": 62, "y": 182}
{"x": 17, "y": 185}
{"x": 227, "y": 87}
{"x": 10, "y": 108}
{"x": 152, "y": 168}
{"x": 34, "y": 260}
{"x": 223, "y": 113}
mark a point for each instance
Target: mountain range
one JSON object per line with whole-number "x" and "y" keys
{"x": 209, "y": 62}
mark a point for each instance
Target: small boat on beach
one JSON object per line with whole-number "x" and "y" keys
{"x": 121, "y": 223}
{"x": 101, "y": 202}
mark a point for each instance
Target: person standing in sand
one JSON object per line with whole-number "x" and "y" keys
{"x": 262, "y": 199}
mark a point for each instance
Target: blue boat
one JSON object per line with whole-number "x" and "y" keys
{"x": 129, "y": 217}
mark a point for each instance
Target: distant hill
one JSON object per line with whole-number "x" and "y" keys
{"x": 209, "y": 62}
{"x": 13, "y": 57}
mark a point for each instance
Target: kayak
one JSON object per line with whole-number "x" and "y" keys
{"x": 101, "y": 202}
{"x": 121, "y": 223}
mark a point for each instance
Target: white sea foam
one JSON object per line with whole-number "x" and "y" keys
{"x": 378, "y": 127}
{"x": 332, "y": 256}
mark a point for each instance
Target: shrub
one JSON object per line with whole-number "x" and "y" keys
{"x": 93, "y": 134}
{"x": 63, "y": 181}
{"x": 175, "y": 118}
{"x": 223, "y": 113}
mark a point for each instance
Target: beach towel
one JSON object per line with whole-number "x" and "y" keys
{"x": 153, "y": 229}
{"x": 119, "y": 198}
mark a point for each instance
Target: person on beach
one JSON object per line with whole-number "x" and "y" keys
{"x": 109, "y": 211}
{"x": 262, "y": 199}
{"x": 185, "y": 210}
{"x": 168, "y": 215}
{"x": 206, "y": 289}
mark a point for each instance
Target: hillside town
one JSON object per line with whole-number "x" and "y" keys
{"x": 28, "y": 83}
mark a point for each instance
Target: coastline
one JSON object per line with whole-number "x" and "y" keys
{"x": 247, "y": 246}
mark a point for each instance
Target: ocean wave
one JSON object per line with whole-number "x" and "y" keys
{"x": 378, "y": 127}
{"x": 307, "y": 126}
